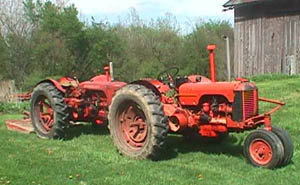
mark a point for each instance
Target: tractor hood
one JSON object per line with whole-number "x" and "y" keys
{"x": 191, "y": 93}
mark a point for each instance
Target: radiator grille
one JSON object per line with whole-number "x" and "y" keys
{"x": 250, "y": 103}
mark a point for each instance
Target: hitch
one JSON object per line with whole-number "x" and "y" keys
{"x": 279, "y": 104}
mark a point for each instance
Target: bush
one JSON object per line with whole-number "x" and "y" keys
{"x": 1, "y": 107}
{"x": 31, "y": 80}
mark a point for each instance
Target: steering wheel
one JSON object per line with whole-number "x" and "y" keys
{"x": 167, "y": 75}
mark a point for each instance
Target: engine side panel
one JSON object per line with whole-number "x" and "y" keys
{"x": 100, "y": 83}
{"x": 191, "y": 93}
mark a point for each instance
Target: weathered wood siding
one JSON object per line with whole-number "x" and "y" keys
{"x": 267, "y": 39}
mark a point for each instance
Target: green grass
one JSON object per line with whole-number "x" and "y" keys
{"x": 89, "y": 157}
{"x": 13, "y": 107}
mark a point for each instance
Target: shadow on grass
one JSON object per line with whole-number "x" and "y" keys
{"x": 175, "y": 144}
{"x": 86, "y": 129}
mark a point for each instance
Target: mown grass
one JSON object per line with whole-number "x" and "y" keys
{"x": 89, "y": 157}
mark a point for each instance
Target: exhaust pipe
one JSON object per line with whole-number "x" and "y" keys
{"x": 111, "y": 71}
{"x": 211, "y": 49}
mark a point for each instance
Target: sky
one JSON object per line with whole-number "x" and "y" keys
{"x": 184, "y": 10}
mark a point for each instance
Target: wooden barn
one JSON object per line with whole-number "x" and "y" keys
{"x": 267, "y": 36}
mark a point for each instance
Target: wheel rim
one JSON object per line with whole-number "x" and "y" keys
{"x": 44, "y": 113}
{"x": 133, "y": 126}
{"x": 261, "y": 151}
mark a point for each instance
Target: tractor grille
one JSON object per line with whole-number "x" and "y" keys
{"x": 245, "y": 104}
{"x": 249, "y": 104}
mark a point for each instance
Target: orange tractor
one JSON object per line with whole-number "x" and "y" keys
{"x": 141, "y": 114}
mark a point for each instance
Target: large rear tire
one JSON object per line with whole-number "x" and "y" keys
{"x": 137, "y": 123}
{"x": 48, "y": 112}
{"x": 263, "y": 149}
{"x": 287, "y": 144}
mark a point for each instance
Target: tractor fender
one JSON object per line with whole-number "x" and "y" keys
{"x": 156, "y": 86}
{"x": 54, "y": 82}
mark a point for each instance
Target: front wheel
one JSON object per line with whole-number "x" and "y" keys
{"x": 287, "y": 142}
{"x": 263, "y": 149}
{"x": 137, "y": 123}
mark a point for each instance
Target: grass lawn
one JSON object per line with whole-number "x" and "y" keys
{"x": 89, "y": 157}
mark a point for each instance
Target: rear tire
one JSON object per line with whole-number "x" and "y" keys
{"x": 287, "y": 144}
{"x": 137, "y": 122}
{"x": 263, "y": 149}
{"x": 48, "y": 112}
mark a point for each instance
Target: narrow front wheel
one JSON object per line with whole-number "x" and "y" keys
{"x": 287, "y": 142}
{"x": 263, "y": 148}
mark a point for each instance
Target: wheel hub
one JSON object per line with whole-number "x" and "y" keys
{"x": 137, "y": 131}
{"x": 261, "y": 151}
{"x": 47, "y": 121}
{"x": 134, "y": 127}
{"x": 46, "y": 114}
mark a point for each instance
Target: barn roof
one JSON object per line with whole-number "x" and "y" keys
{"x": 233, "y": 3}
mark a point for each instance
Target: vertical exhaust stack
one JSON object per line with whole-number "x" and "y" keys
{"x": 211, "y": 48}
{"x": 111, "y": 71}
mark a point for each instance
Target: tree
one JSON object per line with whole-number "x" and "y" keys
{"x": 15, "y": 31}
{"x": 205, "y": 33}
{"x": 40, "y": 38}
{"x": 66, "y": 46}
{"x": 102, "y": 46}
{"x": 150, "y": 46}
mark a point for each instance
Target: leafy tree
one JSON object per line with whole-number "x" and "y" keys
{"x": 205, "y": 33}
{"x": 3, "y": 57}
{"x": 15, "y": 31}
{"x": 46, "y": 38}
{"x": 102, "y": 46}
{"x": 66, "y": 46}
{"x": 150, "y": 47}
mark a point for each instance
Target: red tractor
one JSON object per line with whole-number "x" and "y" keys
{"x": 141, "y": 113}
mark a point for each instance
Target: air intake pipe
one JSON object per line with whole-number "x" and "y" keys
{"x": 111, "y": 71}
